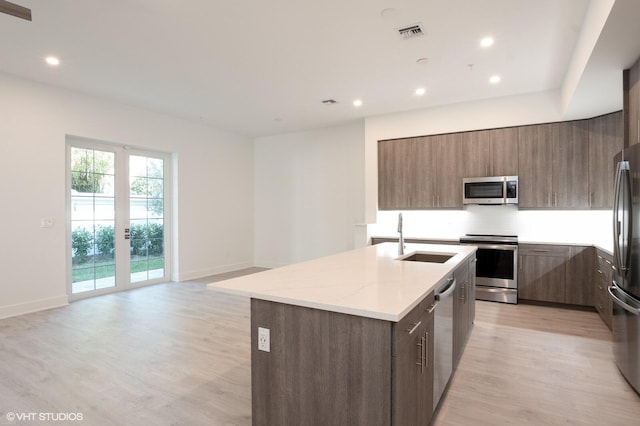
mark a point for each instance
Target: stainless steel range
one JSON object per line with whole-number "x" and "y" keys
{"x": 497, "y": 266}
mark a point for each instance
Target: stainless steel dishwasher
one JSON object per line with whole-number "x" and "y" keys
{"x": 443, "y": 338}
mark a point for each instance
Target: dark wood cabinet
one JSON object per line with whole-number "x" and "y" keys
{"x": 396, "y": 173}
{"x": 542, "y": 272}
{"x": 565, "y": 165}
{"x": 412, "y": 385}
{"x": 535, "y": 178}
{"x": 605, "y": 141}
{"x": 419, "y": 173}
{"x": 570, "y": 164}
{"x": 331, "y": 368}
{"x": 553, "y": 166}
{"x": 632, "y": 104}
{"x": 556, "y": 273}
{"x": 603, "y": 276}
{"x": 463, "y": 308}
{"x": 579, "y": 279}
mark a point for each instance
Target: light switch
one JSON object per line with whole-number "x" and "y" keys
{"x": 46, "y": 222}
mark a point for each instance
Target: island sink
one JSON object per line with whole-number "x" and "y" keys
{"x": 421, "y": 256}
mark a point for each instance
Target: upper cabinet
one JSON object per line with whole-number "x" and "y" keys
{"x": 605, "y": 141}
{"x": 490, "y": 152}
{"x": 565, "y": 165}
{"x": 632, "y": 104}
{"x": 420, "y": 173}
{"x": 553, "y": 166}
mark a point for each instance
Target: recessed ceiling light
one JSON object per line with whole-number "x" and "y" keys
{"x": 357, "y": 103}
{"x": 421, "y": 91}
{"x": 495, "y": 79}
{"x": 52, "y": 60}
{"x": 486, "y": 42}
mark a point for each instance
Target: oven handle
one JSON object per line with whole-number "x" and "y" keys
{"x": 511, "y": 247}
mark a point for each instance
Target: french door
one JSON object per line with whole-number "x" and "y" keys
{"x": 118, "y": 219}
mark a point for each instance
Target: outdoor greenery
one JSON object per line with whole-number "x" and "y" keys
{"x": 146, "y": 240}
{"x": 88, "y": 169}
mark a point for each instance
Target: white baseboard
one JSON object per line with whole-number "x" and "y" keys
{"x": 33, "y": 306}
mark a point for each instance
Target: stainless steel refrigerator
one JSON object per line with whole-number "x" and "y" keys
{"x": 624, "y": 291}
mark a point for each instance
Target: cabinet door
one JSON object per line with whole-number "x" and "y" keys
{"x": 476, "y": 148}
{"x": 423, "y": 190}
{"x": 535, "y": 177}
{"x": 605, "y": 141}
{"x": 460, "y": 312}
{"x": 570, "y": 164}
{"x": 504, "y": 151}
{"x": 542, "y": 273}
{"x": 395, "y": 162}
{"x": 412, "y": 389}
{"x": 579, "y": 280}
{"x": 450, "y": 174}
{"x": 603, "y": 277}
{"x": 634, "y": 105}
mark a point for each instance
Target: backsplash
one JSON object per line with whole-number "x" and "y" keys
{"x": 553, "y": 226}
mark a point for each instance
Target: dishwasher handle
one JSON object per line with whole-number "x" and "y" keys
{"x": 448, "y": 289}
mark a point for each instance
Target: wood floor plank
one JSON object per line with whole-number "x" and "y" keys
{"x": 179, "y": 354}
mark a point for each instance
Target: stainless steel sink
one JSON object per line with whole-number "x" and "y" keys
{"x": 427, "y": 257}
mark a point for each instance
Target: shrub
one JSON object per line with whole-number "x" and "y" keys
{"x": 155, "y": 232}
{"x": 81, "y": 242}
{"x": 105, "y": 240}
{"x": 138, "y": 239}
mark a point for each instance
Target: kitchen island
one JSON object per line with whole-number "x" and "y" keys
{"x": 349, "y": 338}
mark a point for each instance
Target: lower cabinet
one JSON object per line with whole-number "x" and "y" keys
{"x": 556, "y": 273}
{"x": 412, "y": 366}
{"x": 330, "y": 368}
{"x": 603, "y": 275}
{"x": 463, "y": 313}
{"x": 542, "y": 272}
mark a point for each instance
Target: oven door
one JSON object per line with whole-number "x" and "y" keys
{"x": 497, "y": 265}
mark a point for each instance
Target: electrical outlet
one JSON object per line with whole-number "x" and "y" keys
{"x": 264, "y": 339}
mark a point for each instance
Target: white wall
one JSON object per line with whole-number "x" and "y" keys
{"x": 551, "y": 226}
{"x": 309, "y": 190}
{"x": 214, "y": 187}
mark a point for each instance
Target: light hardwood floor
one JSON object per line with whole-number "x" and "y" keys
{"x": 178, "y": 354}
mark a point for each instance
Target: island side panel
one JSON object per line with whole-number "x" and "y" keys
{"x": 323, "y": 367}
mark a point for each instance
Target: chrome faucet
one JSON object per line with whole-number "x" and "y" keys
{"x": 401, "y": 241}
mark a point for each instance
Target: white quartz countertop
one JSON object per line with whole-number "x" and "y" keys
{"x": 368, "y": 282}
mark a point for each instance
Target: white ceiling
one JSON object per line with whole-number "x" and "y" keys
{"x": 263, "y": 67}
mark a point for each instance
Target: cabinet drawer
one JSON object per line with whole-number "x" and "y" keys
{"x": 411, "y": 321}
{"x": 543, "y": 250}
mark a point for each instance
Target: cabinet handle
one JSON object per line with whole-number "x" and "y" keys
{"x": 423, "y": 353}
{"x": 590, "y": 197}
{"x": 431, "y": 308}
{"x": 415, "y": 325}
{"x": 426, "y": 349}
{"x": 555, "y": 199}
{"x": 541, "y": 250}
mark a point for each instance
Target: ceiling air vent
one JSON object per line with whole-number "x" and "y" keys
{"x": 329, "y": 101}
{"x": 410, "y": 31}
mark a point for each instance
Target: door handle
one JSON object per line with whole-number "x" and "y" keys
{"x": 127, "y": 233}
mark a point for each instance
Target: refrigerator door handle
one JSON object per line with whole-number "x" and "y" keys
{"x": 612, "y": 289}
{"x": 622, "y": 226}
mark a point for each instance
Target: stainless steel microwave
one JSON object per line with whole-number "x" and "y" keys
{"x": 490, "y": 190}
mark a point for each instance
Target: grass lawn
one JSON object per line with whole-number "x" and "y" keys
{"x": 102, "y": 269}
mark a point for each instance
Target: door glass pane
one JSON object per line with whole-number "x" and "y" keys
{"x": 146, "y": 213}
{"x": 92, "y": 219}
